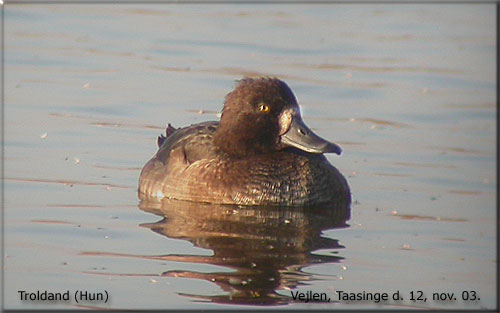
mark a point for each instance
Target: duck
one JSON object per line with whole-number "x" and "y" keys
{"x": 260, "y": 153}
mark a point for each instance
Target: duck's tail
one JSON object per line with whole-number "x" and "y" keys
{"x": 169, "y": 131}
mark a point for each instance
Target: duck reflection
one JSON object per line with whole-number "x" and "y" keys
{"x": 265, "y": 246}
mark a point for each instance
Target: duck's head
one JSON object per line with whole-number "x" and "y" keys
{"x": 261, "y": 115}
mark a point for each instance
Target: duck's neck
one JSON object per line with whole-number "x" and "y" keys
{"x": 237, "y": 143}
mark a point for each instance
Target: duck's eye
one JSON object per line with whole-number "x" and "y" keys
{"x": 264, "y": 108}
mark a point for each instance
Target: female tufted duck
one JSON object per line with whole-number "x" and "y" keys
{"x": 260, "y": 153}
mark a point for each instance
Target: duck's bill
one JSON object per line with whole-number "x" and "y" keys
{"x": 301, "y": 137}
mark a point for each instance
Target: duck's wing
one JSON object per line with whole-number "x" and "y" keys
{"x": 195, "y": 142}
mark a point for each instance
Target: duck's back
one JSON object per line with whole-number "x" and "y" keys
{"x": 180, "y": 149}
{"x": 189, "y": 167}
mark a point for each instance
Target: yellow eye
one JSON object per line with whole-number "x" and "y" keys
{"x": 264, "y": 108}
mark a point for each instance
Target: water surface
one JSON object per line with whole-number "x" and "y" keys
{"x": 408, "y": 91}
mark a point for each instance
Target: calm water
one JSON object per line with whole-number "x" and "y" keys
{"x": 408, "y": 91}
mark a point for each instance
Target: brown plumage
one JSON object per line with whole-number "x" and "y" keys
{"x": 260, "y": 153}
